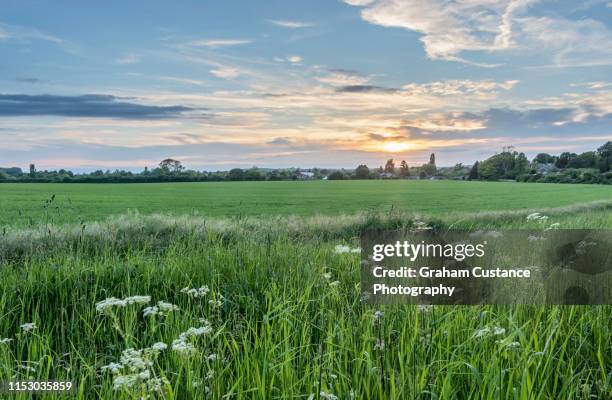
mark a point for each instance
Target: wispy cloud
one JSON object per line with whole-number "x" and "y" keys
{"x": 226, "y": 72}
{"x": 291, "y": 24}
{"x": 130, "y": 58}
{"x": 215, "y": 43}
{"x": 28, "y": 80}
{"x": 90, "y": 105}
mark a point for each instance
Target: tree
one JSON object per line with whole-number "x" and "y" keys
{"x": 473, "y": 172}
{"x": 432, "y": 159}
{"x": 236, "y": 174}
{"x": 544, "y": 158}
{"x": 32, "y": 170}
{"x": 390, "y": 166}
{"x": 362, "y": 172}
{"x": 404, "y": 169}
{"x": 170, "y": 165}
{"x": 336, "y": 176}
{"x": 605, "y": 157}
{"x": 564, "y": 159}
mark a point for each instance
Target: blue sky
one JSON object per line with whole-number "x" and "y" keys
{"x": 300, "y": 83}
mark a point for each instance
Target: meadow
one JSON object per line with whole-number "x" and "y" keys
{"x": 224, "y": 303}
{"x": 26, "y": 204}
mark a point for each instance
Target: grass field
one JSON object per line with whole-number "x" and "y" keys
{"x": 22, "y": 204}
{"x": 278, "y": 314}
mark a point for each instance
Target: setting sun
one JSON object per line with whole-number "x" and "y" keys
{"x": 395, "y": 147}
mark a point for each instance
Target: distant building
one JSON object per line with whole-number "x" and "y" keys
{"x": 305, "y": 176}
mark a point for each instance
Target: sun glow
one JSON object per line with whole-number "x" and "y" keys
{"x": 395, "y": 147}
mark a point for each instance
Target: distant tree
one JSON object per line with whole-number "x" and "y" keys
{"x": 544, "y": 158}
{"x": 605, "y": 157}
{"x": 362, "y": 172}
{"x": 32, "y": 171}
{"x": 236, "y": 174}
{"x": 170, "y": 165}
{"x": 146, "y": 171}
{"x": 336, "y": 176}
{"x": 564, "y": 159}
{"x": 390, "y": 166}
{"x": 432, "y": 159}
{"x": 404, "y": 169}
{"x": 473, "y": 172}
{"x": 422, "y": 175}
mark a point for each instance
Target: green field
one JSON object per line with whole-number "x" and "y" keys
{"x": 281, "y": 316}
{"x": 22, "y": 203}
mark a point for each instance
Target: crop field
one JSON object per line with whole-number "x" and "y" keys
{"x": 26, "y": 204}
{"x": 240, "y": 291}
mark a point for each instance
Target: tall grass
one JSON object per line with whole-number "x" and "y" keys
{"x": 285, "y": 315}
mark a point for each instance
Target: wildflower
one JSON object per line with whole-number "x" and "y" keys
{"x": 424, "y": 307}
{"x": 378, "y": 315}
{"x": 513, "y": 345}
{"x": 328, "y": 396}
{"x": 156, "y": 384}
{"x": 28, "y": 327}
{"x": 533, "y": 216}
{"x": 214, "y": 303}
{"x": 154, "y": 310}
{"x": 556, "y": 225}
{"x": 137, "y": 300}
{"x": 380, "y": 344}
{"x": 212, "y": 357}
{"x": 421, "y": 226}
{"x": 196, "y": 292}
{"x": 340, "y": 249}
{"x": 5, "y": 340}
{"x": 134, "y": 360}
{"x": 182, "y": 346}
{"x": 27, "y": 368}
{"x": 159, "y": 346}
{"x": 334, "y": 283}
{"x": 327, "y": 275}
{"x": 162, "y": 308}
{"x": 166, "y": 307}
{"x": 498, "y": 331}
{"x": 107, "y": 304}
{"x": 114, "y": 368}
{"x": 482, "y": 332}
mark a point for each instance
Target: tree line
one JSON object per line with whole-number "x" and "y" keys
{"x": 587, "y": 167}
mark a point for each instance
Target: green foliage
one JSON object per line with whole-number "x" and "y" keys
{"x": 362, "y": 172}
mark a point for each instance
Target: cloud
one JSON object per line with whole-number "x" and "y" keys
{"x": 89, "y": 105}
{"x": 343, "y": 77}
{"x": 294, "y": 59}
{"x": 280, "y": 141}
{"x": 28, "y": 80}
{"x": 130, "y": 58}
{"x": 291, "y": 24}
{"x": 215, "y": 43}
{"x": 451, "y": 28}
{"x": 226, "y": 72}
{"x": 365, "y": 89}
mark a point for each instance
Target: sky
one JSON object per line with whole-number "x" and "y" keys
{"x": 286, "y": 83}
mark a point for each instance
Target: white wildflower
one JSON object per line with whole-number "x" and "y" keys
{"x": 27, "y": 368}
{"x": 28, "y": 327}
{"x": 153, "y": 310}
{"x": 159, "y": 346}
{"x": 137, "y": 300}
{"x": 5, "y": 340}
{"x": 215, "y": 303}
{"x": 340, "y": 249}
{"x": 125, "y": 381}
{"x": 334, "y": 283}
{"x": 380, "y": 344}
{"x": 327, "y": 275}
{"x": 482, "y": 332}
{"x": 196, "y": 292}
{"x": 499, "y": 331}
{"x": 212, "y": 357}
{"x": 109, "y": 303}
{"x": 114, "y": 368}
{"x": 166, "y": 307}
{"x": 378, "y": 315}
{"x": 534, "y": 216}
{"x": 134, "y": 360}
{"x": 556, "y": 225}
{"x": 182, "y": 346}
{"x": 328, "y": 396}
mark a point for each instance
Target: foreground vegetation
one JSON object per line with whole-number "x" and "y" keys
{"x": 269, "y": 308}
{"x": 29, "y": 204}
